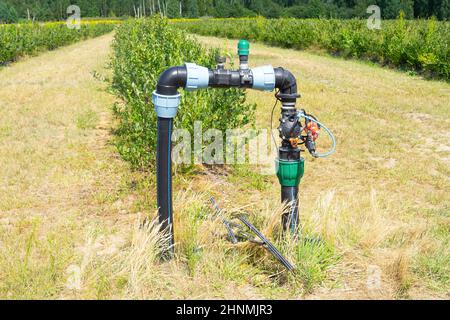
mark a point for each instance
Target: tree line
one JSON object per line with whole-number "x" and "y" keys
{"x": 15, "y": 10}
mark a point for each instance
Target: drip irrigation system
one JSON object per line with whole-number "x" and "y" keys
{"x": 289, "y": 164}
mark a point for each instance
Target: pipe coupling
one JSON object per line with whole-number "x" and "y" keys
{"x": 263, "y": 78}
{"x": 166, "y": 106}
{"x": 197, "y": 76}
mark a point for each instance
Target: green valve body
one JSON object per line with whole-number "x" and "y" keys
{"x": 289, "y": 172}
{"x": 243, "y": 48}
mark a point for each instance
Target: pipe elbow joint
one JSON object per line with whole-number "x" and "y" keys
{"x": 287, "y": 83}
{"x": 171, "y": 79}
{"x": 166, "y": 98}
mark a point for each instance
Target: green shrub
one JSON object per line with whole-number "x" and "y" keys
{"x": 142, "y": 50}
{"x": 419, "y": 45}
{"x": 17, "y": 40}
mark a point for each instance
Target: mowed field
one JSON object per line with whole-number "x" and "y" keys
{"x": 70, "y": 207}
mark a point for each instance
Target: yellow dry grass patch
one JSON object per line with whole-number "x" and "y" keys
{"x": 59, "y": 177}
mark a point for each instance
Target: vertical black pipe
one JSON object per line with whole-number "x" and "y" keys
{"x": 289, "y": 193}
{"x": 287, "y": 83}
{"x": 164, "y": 180}
{"x": 290, "y": 218}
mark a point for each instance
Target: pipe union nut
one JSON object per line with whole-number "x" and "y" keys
{"x": 197, "y": 77}
{"x": 166, "y": 106}
{"x": 263, "y": 78}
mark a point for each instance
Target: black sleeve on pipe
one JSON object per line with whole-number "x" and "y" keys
{"x": 221, "y": 78}
{"x": 171, "y": 80}
{"x": 243, "y": 59}
{"x": 290, "y": 217}
{"x": 164, "y": 178}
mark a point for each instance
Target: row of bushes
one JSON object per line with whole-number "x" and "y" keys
{"x": 419, "y": 45}
{"x": 143, "y": 49}
{"x": 17, "y": 40}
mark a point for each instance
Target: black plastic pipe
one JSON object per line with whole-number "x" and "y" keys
{"x": 171, "y": 80}
{"x": 290, "y": 218}
{"x": 164, "y": 180}
{"x": 287, "y": 83}
{"x": 168, "y": 84}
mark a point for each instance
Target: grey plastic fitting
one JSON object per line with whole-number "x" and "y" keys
{"x": 263, "y": 78}
{"x": 197, "y": 77}
{"x": 166, "y": 106}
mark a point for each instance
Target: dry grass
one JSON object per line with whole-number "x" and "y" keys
{"x": 374, "y": 216}
{"x": 59, "y": 177}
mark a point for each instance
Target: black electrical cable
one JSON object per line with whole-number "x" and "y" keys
{"x": 271, "y": 119}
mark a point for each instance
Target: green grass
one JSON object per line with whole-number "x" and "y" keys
{"x": 314, "y": 258}
{"x": 433, "y": 264}
{"x": 33, "y": 265}
{"x": 87, "y": 120}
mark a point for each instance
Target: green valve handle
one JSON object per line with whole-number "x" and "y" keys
{"x": 243, "y": 48}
